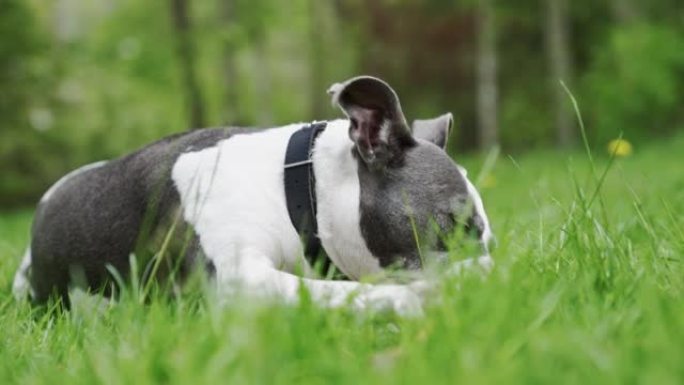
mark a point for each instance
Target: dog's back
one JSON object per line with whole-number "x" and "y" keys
{"x": 99, "y": 214}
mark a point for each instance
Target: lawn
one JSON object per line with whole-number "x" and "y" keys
{"x": 588, "y": 288}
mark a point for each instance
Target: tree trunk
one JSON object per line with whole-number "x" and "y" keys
{"x": 317, "y": 60}
{"x": 232, "y": 108}
{"x": 186, "y": 57}
{"x": 487, "y": 89}
{"x": 624, "y": 11}
{"x": 263, "y": 81}
{"x": 558, "y": 48}
{"x": 64, "y": 21}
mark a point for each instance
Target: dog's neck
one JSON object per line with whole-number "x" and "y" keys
{"x": 300, "y": 194}
{"x": 337, "y": 190}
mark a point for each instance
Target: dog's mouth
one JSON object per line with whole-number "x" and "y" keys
{"x": 437, "y": 263}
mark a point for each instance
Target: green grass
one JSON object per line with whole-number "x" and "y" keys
{"x": 588, "y": 288}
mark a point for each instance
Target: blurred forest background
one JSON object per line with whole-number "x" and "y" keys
{"x": 84, "y": 80}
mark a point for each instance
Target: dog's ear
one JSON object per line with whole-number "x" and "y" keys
{"x": 434, "y": 130}
{"x": 377, "y": 124}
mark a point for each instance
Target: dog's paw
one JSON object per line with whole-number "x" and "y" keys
{"x": 397, "y": 298}
{"x": 484, "y": 264}
{"x": 425, "y": 289}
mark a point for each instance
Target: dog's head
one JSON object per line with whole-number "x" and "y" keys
{"x": 412, "y": 194}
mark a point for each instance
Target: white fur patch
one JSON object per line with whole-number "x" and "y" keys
{"x": 337, "y": 192}
{"x": 485, "y": 262}
{"x": 487, "y": 235}
{"x": 232, "y": 194}
{"x": 21, "y": 287}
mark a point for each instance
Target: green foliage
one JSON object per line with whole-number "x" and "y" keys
{"x": 82, "y": 81}
{"x": 18, "y": 47}
{"x": 587, "y": 289}
{"x": 22, "y": 100}
{"x": 106, "y": 89}
{"x": 635, "y": 83}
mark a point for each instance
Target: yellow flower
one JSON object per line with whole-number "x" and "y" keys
{"x": 489, "y": 181}
{"x": 620, "y": 148}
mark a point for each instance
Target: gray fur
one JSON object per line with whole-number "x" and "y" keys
{"x": 434, "y": 130}
{"x": 100, "y": 216}
{"x": 400, "y": 204}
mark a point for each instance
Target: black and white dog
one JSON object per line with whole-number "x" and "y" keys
{"x": 236, "y": 202}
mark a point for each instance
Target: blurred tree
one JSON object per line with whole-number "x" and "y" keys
{"x": 264, "y": 82}
{"x": 635, "y": 84}
{"x": 25, "y": 110}
{"x": 232, "y": 104}
{"x": 186, "y": 56}
{"x": 560, "y": 63}
{"x": 487, "y": 87}
{"x": 624, "y": 11}
{"x": 255, "y": 18}
{"x": 317, "y": 58}
{"x": 425, "y": 50}
{"x": 65, "y": 23}
{"x": 111, "y": 75}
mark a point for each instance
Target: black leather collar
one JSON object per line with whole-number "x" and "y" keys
{"x": 300, "y": 193}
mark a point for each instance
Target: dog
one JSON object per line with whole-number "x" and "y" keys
{"x": 253, "y": 207}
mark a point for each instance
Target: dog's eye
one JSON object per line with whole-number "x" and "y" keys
{"x": 474, "y": 226}
{"x": 440, "y": 245}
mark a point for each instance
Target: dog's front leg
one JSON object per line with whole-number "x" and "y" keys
{"x": 257, "y": 276}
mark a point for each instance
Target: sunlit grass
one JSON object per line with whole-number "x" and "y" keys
{"x": 582, "y": 293}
